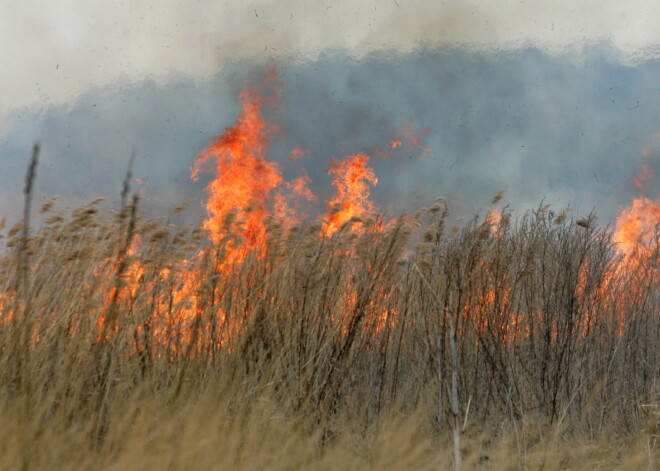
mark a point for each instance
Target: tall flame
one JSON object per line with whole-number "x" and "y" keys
{"x": 637, "y": 225}
{"x": 351, "y": 199}
{"x": 244, "y": 180}
{"x": 248, "y": 188}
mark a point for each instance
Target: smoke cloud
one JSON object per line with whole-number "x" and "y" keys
{"x": 52, "y": 52}
{"x": 570, "y": 128}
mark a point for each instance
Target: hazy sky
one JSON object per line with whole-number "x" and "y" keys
{"x": 52, "y": 51}
{"x": 536, "y": 94}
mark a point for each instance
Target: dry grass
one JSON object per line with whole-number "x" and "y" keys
{"x": 126, "y": 343}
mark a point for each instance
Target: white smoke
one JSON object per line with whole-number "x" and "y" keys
{"x": 52, "y": 51}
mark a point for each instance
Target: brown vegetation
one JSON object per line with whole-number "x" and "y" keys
{"x": 127, "y": 343}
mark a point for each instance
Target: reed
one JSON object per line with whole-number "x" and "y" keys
{"x": 129, "y": 343}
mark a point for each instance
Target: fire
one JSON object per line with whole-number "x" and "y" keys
{"x": 637, "y": 225}
{"x": 286, "y": 203}
{"x": 248, "y": 192}
{"x": 248, "y": 188}
{"x": 637, "y": 236}
{"x": 351, "y": 200}
{"x": 244, "y": 178}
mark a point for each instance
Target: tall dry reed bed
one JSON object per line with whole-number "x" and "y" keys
{"x": 121, "y": 335}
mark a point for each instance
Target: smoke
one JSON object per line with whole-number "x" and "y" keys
{"x": 53, "y": 52}
{"x": 570, "y": 128}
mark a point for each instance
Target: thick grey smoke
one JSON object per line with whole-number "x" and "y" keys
{"x": 568, "y": 128}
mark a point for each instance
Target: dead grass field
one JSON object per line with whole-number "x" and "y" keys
{"x": 127, "y": 343}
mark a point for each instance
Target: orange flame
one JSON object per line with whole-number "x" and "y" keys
{"x": 637, "y": 224}
{"x": 244, "y": 178}
{"x": 351, "y": 199}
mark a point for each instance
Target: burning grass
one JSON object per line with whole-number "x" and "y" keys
{"x": 255, "y": 341}
{"x": 128, "y": 343}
